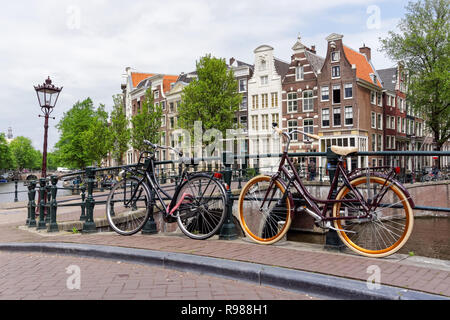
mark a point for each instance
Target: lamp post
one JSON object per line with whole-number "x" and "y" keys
{"x": 47, "y": 95}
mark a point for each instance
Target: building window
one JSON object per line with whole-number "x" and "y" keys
{"x": 156, "y": 94}
{"x": 335, "y": 56}
{"x": 373, "y": 97}
{"x": 244, "y": 103}
{"x": 255, "y": 123}
{"x": 292, "y": 102}
{"x": 325, "y": 93}
{"x": 264, "y": 100}
{"x": 264, "y": 80}
{"x": 393, "y": 122}
{"x": 325, "y": 117}
{"x": 380, "y": 121}
{"x": 299, "y": 73}
{"x": 374, "y": 142}
{"x": 255, "y": 101}
{"x": 336, "y": 117}
{"x": 379, "y": 143}
{"x": 275, "y": 118}
{"x": 373, "y": 120}
{"x": 171, "y": 107}
{"x": 274, "y": 96}
{"x": 336, "y": 72}
{"x": 336, "y": 94}
{"x": 262, "y": 65}
{"x": 265, "y": 121}
{"x": 348, "y": 116}
{"x": 308, "y": 101}
{"x": 379, "y": 99}
{"x": 244, "y": 121}
{"x": 242, "y": 85}
{"x": 348, "y": 91}
{"x": 308, "y": 127}
{"x": 403, "y": 125}
{"x": 292, "y": 125}
{"x": 399, "y": 124}
{"x": 163, "y": 121}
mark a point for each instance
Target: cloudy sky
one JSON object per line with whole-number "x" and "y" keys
{"x": 85, "y": 45}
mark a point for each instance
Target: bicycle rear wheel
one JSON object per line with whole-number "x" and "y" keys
{"x": 202, "y": 208}
{"x": 390, "y": 224}
{"x": 127, "y": 206}
{"x": 268, "y": 223}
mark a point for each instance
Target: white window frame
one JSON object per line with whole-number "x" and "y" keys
{"x": 264, "y": 80}
{"x": 332, "y": 72}
{"x": 291, "y": 102}
{"x": 322, "y": 117}
{"x": 340, "y": 116}
{"x": 322, "y": 93}
{"x": 310, "y": 99}
{"x": 299, "y": 73}
{"x": 373, "y": 120}
{"x": 345, "y": 115}
{"x": 335, "y": 54}
{"x": 346, "y": 86}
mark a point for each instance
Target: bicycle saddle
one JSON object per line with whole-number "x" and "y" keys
{"x": 344, "y": 151}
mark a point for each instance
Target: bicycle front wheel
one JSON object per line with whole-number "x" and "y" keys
{"x": 202, "y": 207}
{"x": 264, "y": 213}
{"x": 127, "y": 206}
{"x": 390, "y": 222}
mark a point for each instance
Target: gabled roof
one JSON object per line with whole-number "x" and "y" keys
{"x": 281, "y": 67}
{"x": 363, "y": 67}
{"x": 388, "y": 77}
{"x": 315, "y": 61}
{"x": 137, "y": 77}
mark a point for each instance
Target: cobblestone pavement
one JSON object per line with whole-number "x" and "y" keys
{"x": 43, "y": 276}
{"x": 415, "y": 273}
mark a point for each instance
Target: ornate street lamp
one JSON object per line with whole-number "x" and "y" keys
{"x": 47, "y": 95}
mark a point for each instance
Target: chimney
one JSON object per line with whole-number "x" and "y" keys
{"x": 313, "y": 49}
{"x": 366, "y": 50}
{"x": 232, "y": 60}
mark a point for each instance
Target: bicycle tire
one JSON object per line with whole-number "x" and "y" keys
{"x": 128, "y": 216}
{"x": 271, "y": 224}
{"x": 391, "y": 223}
{"x": 202, "y": 207}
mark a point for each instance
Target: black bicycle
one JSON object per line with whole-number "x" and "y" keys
{"x": 197, "y": 203}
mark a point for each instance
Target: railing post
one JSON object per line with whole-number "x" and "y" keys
{"x": 48, "y": 207}
{"x": 83, "y": 203}
{"x": 332, "y": 240}
{"x": 150, "y": 225}
{"x": 228, "y": 230}
{"x": 89, "y": 225}
{"x": 31, "y": 222}
{"x": 16, "y": 182}
{"x": 42, "y": 183}
{"x": 53, "y": 226}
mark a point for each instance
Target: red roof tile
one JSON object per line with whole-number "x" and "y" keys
{"x": 363, "y": 67}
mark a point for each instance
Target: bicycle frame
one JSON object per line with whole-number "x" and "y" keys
{"x": 294, "y": 178}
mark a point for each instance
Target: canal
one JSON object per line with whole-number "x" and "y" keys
{"x": 7, "y": 191}
{"x": 429, "y": 238}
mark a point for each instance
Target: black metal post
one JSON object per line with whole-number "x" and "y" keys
{"x": 332, "y": 240}
{"x": 42, "y": 184}
{"x": 228, "y": 230}
{"x": 83, "y": 203}
{"x": 89, "y": 225}
{"x": 53, "y": 226}
{"x": 48, "y": 199}
{"x": 16, "y": 182}
{"x": 31, "y": 221}
{"x": 150, "y": 225}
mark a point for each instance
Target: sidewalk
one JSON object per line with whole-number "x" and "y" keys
{"x": 408, "y": 273}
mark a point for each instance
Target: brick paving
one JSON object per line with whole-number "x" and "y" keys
{"x": 43, "y": 276}
{"x": 396, "y": 270}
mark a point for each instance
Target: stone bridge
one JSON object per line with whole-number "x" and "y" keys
{"x": 33, "y": 175}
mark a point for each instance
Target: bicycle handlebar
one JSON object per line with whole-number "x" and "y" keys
{"x": 155, "y": 146}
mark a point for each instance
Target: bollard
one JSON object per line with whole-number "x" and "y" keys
{"x": 53, "y": 226}
{"x": 47, "y": 208}
{"x": 83, "y": 203}
{"x": 228, "y": 230}
{"x": 332, "y": 240}
{"x": 89, "y": 225}
{"x": 150, "y": 225}
{"x": 31, "y": 222}
{"x": 42, "y": 183}
{"x": 16, "y": 182}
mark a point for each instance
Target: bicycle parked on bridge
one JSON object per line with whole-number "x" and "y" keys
{"x": 198, "y": 203}
{"x": 371, "y": 212}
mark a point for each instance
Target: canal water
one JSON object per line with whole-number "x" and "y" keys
{"x": 429, "y": 238}
{"x": 7, "y": 191}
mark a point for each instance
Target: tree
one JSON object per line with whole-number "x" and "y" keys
{"x": 24, "y": 154}
{"x": 146, "y": 123}
{"x": 6, "y": 157}
{"x": 212, "y": 98}
{"x": 423, "y": 46}
{"x": 84, "y": 135}
{"x": 120, "y": 132}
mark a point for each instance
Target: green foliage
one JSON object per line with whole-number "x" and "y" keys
{"x": 24, "y": 154}
{"x": 146, "y": 123}
{"x": 213, "y": 98}
{"x": 85, "y": 136}
{"x": 422, "y": 44}
{"x": 6, "y": 157}
{"x": 120, "y": 133}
